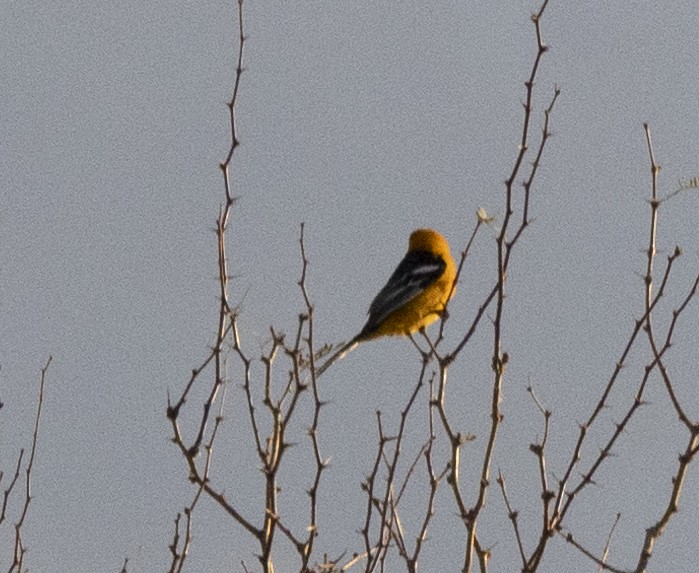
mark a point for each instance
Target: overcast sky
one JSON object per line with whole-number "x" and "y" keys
{"x": 364, "y": 120}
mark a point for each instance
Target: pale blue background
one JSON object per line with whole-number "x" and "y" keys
{"x": 365, "y": 120}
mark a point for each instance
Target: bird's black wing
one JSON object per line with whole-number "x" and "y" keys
{"x": 417, "y": 271}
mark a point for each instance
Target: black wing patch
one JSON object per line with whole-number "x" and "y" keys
{"x": 417, "y": 271}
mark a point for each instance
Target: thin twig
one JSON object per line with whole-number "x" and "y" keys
{"x": 205, "y": 437}
{"x": 19, "y": 547}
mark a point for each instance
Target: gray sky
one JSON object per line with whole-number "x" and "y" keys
{"x": 364, "y": 120}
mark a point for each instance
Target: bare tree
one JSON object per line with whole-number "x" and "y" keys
{"x": 288, "y": 394}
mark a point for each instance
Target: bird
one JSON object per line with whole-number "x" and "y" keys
{"x": 414, "y": 297}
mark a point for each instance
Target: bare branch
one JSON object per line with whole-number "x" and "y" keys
{"x": 512, "y": 514}
{"x": 19, "y": 547}
{"x": 657, "y": 529}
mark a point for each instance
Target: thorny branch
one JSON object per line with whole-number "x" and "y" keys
{"x": 19, "y": 548}
{"x": 565, "y": 496}
{"x": 506, "y": 241}
{"x": 199, "y": 472}
{"x": 269, "y": 422}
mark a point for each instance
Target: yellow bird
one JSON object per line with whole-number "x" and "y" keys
{"x": 414, "y": 297}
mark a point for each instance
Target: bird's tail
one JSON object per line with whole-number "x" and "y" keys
{"x": 344, "y": 350}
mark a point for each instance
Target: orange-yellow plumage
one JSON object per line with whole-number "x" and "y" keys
{"x": 415, "y": 295}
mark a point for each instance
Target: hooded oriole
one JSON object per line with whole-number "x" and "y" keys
{"x": 415, "y": 295}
